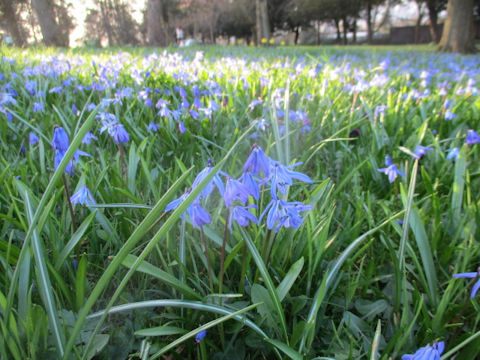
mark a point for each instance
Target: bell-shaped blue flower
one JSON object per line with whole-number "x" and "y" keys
{"x": 257, "y": 161}
{"x": 60, "y": 139}
{"x": 207, "y": 190}
{"x": 420, "y": 151}
{"x": 472, "y": 138}
{"x": 200, "y": 336}
{"x": 83, "y": 197}
{"x": 235, "y": 190}
{"x": 33, "y": 138}
{"x": 283, "y": 213}
{"x": 280, "y": 177}
{"x": 471, "y": 275}
{"x": 391, "y": 170}
{"x": 242, "y": 216}
{"x": 427, "y": 352}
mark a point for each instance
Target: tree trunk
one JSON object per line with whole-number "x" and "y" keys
{"x": 433, "y": 17}
{"x": 418, "y": 23}
{"x": 354, "y": 31}
{"x": 337, "y": 25}
{"x": 297, "y": 34}
{"x": 369, "y": 24}
{"x": 345, "y": 30}
{"x": 106, "y": 22}
{"x": 155, "y": 23}
{"x": 48, "y": 24}
{"x": 11, "y": 22}
{"x": 458, "y": 31}
{"x": 262, "y": 24}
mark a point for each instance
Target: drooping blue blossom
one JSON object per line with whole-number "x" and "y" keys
{"x": 471, "y": 275}
{"x": 38, "y": 107}
{"x": 472, "y": 138}
{"x": 450, "y": 115}
{"x": 119, "y": 134}
{"x": 283, "y": 213}
{"x": 87, "y": 139}
{"x": 420, "y": 151}
{"x": 453, "y": 154}
{"x": 280, "y": 177}
{"x": 391, "y": 170}
{"x": 153, "y": 127}
{"x": 427, "y": 352}
{"x": 248, "y": 180}
{"x": 235, "y": 190}
{"x": 216, "y": 181}
{"x": 60, "y": 139}
{"x": 198, "y": 214}
{"x": 200, "y": 336}
{"x": 83, "y": 197}
{"x": 257, "y": 161}
{"x": 181, "y": 127}
{"x": 242, "y": 216}
{"x": 33, "y": 138}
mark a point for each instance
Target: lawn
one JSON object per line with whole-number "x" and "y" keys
{"x": 240, "y": 203}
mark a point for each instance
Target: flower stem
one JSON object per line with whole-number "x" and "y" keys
{"x": 209, "y": 268}
{"x": 222, "y": 256}
{"x": 241, "y": 286}
{"x": 67, "y": 194}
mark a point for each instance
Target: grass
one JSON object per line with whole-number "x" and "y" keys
{"x": 361, "y": 269}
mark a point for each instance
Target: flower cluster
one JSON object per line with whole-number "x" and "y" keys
{"x": 258, "y": 170}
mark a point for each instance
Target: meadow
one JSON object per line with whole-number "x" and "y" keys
{"x": 240, "y": 203}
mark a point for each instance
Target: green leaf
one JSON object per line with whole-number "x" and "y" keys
{"x": 290, "y": 279}
{"x": 161, "y": 331}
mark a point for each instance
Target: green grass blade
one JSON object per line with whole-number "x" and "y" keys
{"x": 208, "y": 325}
{"x": 268, "y": 282}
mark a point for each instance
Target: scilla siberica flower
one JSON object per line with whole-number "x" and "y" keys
{"x": 427, "y": 352}
{"x": 257, "y": 161}
{"x": 453, "y": 154}
{"x": 420, "y": 151}
{"x": 280, "y": 177}
{"x": 33, "y": 138}
{"x": 472, "y": 138}
{"x": 391, "y": 170}
{"x": 242, "y": 216}
{"x": 471, "y": 275}
{"x": 283, "y": 213}
{"x": 83, "y": 197}
{"x": 200, "y": 336}
{"x": 60, "y": 143}
{"x": 235, "y": 190}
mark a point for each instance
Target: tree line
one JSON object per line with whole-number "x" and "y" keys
{"x": 111, "y": 22}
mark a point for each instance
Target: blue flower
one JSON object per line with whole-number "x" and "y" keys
{"x": 38, "y": 107}
{"x": 153, "y": 127}
{"x": 472, "y": 138}
{"x": 198, "y": 214}
{"x": 83, "y": 197}
{"x": 280, "y": 177}
{"x": 283, "y": 213}
{"x": 200, "y": 336}
{"x": 87, "y": 139}
{"x": 257, "y": 161}
{"x": 248, "y": 180}
{"x": 471, "y": 275}
{"x": 60, "y": 139}
{"x": 235, "y": 190}
{"x": 33, "y": 138}
{"x": 427, "y": 352}
{"x": 420, "y": 151}
{"x": 119, "y": 134}
{"x": 391, "y": 170}
{"x": 453, "y": 154}
{"x": 450, "y": 115}
{"x": 242, "y": 216}
{"x": 207, "y": 190}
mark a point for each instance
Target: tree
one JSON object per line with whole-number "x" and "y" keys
{"x": 262, "y": 22}
{"x": 112, "y": 18}
{"x": 288, "y": 15}
{"x": 54, "y": 21}
{"x": 434, "y": 7}
{"x": 458, "y": 31}
{"x": 156, "y": 23}
{"x": 10, "y": 21}
{"x": 235, "y": 19}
